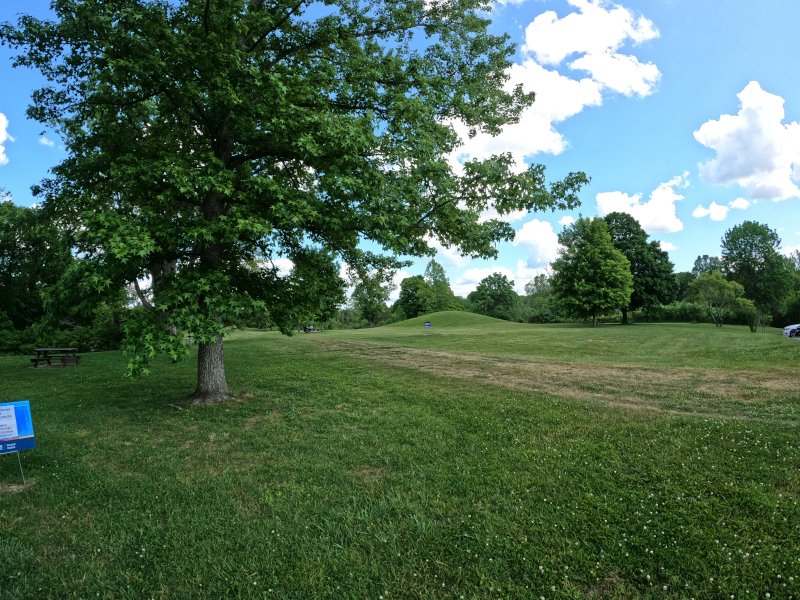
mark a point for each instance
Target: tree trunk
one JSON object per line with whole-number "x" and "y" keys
{"x": 212, "y": 387}
{"x": 594, "y": 320}
{"x": 625, "y": 315}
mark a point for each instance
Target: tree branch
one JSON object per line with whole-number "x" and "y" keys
{"x": 140, "y": 294}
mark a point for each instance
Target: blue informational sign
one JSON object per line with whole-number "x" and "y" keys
{"x": 16, "y": 427}
{"x": 427, "y": 324}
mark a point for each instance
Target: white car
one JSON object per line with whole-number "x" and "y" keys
{"x": 792, "y": 330}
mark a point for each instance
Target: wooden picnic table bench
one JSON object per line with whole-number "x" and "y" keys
{"x": 56, "y": 357}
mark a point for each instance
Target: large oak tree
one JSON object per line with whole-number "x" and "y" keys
{"x": 208, "y": 138}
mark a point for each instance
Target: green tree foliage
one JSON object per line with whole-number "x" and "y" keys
{"x": 751, "y": 257}
{"x": 653, "y": 280}
{"x": 206, "y": 138}
{"x": 34, "y": 253}
{"x": 791, "y": 309}
{"x": 682, "y": 281}
{"x": 370, "y": 294}
{"x": 706, "y": 264}
{"x": 541, "y": 303}
{"x": 413, "y": 298}
{"x": 590, "y": 276}
{"x": 718, "y": 295}
{"x": 495, "y": 297}
{"x": 440, "y": 295}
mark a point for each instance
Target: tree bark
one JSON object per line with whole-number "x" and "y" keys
{"x": 625, "y": 315}
{"x": 212, "y": 387}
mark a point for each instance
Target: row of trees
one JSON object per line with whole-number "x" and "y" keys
{"x": 609, "y": 266}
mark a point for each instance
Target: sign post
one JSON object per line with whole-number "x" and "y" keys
{"x": 16, "y": 429}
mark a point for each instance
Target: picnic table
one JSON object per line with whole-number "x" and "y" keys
{"x": 56, "y": 357}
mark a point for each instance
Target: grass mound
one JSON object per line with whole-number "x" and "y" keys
{"x": 450, "y": 318}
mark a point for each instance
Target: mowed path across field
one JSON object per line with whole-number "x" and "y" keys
{"x": 688, "y": 370}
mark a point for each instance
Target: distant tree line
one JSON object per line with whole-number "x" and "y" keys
{"x": 608, "y": 270}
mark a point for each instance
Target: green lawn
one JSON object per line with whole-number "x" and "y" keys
{"x": 477, "y": 459}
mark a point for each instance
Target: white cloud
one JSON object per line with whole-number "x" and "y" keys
{"x": 594, "y": 34}
{"x": 285, "y": 266}
{"x": 557, "y": 99}
{"x": 451, "y": 256}
{"x": 598, "y": 28}
{"x": 4, "y": 137}
{"x": 667, "y": 246}
{"x": 566, "y": 221}
{"x": 45, "y": 141}
{"x": 523, "y": 273}
{"x": 740, "y": 203}
{"x": 716, "y": 212}
{"x": 541, "y": 241}
{"x": 514, "y": 215}
{"x": 620, "y": 73}
{"x": 789, "y": 250}
{"x": 755, "y": 149}
{"x": 658, "y": 214}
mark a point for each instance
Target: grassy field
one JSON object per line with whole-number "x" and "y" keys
{"x": 477, "y": 459}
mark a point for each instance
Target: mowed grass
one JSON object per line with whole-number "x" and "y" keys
{"x": 476, "y": 459}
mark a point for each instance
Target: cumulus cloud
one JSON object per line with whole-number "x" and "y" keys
{"x": 45, "y": 141}
{"x": 541, "y": 241}
{"x": 657, "y": 214}
{"x": 558, "y": 99}
{"x": 4, "y": 137}
{"x": 593, "y": 37}
{"x": 598, "y": 27}
{"x": 741, "y": 204}
{"x": 566, "y": 221}
{"x": 667, "y": 246}
{"x": 450, "y": 256}
{"x": 718, "y": 212}
{"x": 754, "y": 148}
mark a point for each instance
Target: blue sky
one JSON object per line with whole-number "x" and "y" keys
{"x": 685, "y": 113}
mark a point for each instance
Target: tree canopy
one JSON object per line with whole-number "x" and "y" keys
{"x": 717, "y": 295}
{"x": 706, "y": 264}
{"x": 590, "y": 276}
{"x": 206, "y": 140}
{"x": 495, "y": 297}
{"x": 370, "y": 293}
{"x": 34, "y": 253}
{"x": 653, "y": 280}
{"x": 751, "y": 257}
